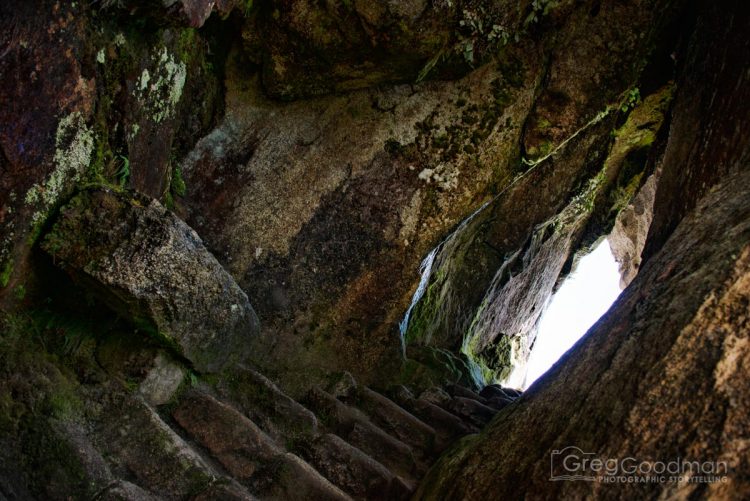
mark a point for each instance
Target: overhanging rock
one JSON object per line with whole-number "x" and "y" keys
{"x": 153, "y": 269}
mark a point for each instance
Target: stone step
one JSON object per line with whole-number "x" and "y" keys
{"x": 471, "y": 410}
{"x": 295, "y": 427}
{"x": 395, "y": 420}
{"x": 353, "y": 471}
{"x": 256, "y": 396}
{"x": 497, "y": 391}
{"x": 498, "y": 397}
{"x": 249, "y": 454}
{"x": 353, "y": 426}
{"x": 437, "y": 396}
{"x": 225, "y": 491}
{"x": 513, "y": 391}
{"x": 456, "y": 390}
{"x": 499, "y": 403}
{"x": 122, "y": 490}
{"x": 142, "y": 448}
{"x": 448, "y": 426}
{"x": 468, "y": 410}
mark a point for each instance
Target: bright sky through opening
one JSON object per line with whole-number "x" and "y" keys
{"x": 581, "y": 300}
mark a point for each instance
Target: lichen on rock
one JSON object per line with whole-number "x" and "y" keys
{"x": 74, "y": 142}
{"x": 160, "y": 93}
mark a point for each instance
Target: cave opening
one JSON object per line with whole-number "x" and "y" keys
{"x": 584, "y": 296}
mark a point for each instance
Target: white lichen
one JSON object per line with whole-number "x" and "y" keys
{"x": 444, "y": 175}
{"x": 143, "y": 81}
{"x": 159, "y": 90}
{"x": 134, "y": 131}
{"x": 101, "y": 58}
{"x": 120, "y": 39}
{"x": 73, "y": 144}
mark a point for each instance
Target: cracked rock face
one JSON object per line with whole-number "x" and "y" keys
{"x": 152, "y": 268}
{"x": 311, "y": 48}
{"x": 690, "y": 394}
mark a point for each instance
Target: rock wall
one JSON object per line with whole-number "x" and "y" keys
{"x": 323, "y": 208}
{"x": 492, "y": 279}
{"x": 170, "y": 169}
{"x": 92, "y": 93}
{"x": 683, "y": 397}
{"x": 663, "y": 374}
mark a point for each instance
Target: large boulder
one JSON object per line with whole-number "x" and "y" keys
{"x": 152, "y": 268}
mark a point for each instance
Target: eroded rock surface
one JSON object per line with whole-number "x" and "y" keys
{"x": 310, "y": 48}
{"x": 152, "y": 268}
{"x": 323, "y": 208}
{"x": 89, "y": 93}
{"x": 491, "y": 279}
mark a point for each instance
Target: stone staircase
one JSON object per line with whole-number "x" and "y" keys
{"x": 243, "y": 438}
{"x": 149, "y": 430}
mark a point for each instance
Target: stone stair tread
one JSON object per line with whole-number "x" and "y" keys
{"x": 122, "y": 490}
{"x": 256, "y": 396}
{"x": 354, "y": 471}
{"x": 472, "y": 410}
{"x": 497, "y": 391}
{"x": 248, "y": 453}
{"x": 394, "y": 420}
{"x": 469, "y": 410}
{"x": 360, "y": 445}
{"x": 225, "y": 491}
{"x": 499, "y": 403}
{"x": 447, "y": 425}
{"x": 147, "y": 451}
{"x": 354, "y": 426}
{"x": 456, "y": 390}
{"x": 437, "y": 396}
{"x": 498, "y": 397}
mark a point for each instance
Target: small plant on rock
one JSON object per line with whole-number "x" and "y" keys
{"x": 123, "y": 172}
